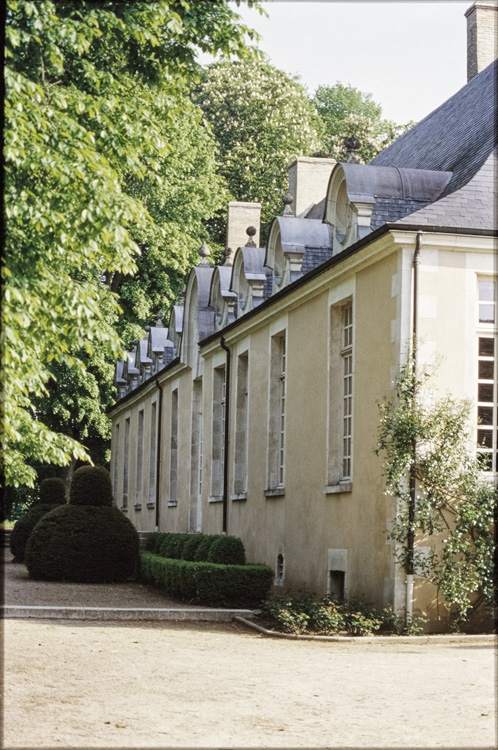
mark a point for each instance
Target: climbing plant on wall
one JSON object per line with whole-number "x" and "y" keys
{"x": 454, "y": 502}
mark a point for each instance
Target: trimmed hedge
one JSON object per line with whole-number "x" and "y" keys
{"x": 91, "y": 485}
{"x": 52, "y": 491}
{"x": 153, "y": 541}
{"x": 216, "y": 548}
{"x": 84, "y": 544}
{"x": 203, "y": 549}
{"x": 24, "y": 527}
{"x": 227, "y": 550}
{"x": 191, "y": 546}
{"x": 172, "y": 545}
{"x": 207, "y": 583}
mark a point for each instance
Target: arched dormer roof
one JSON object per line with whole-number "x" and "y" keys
{"x": 295, "y": 246}
{"x": 221, "y": 299}
{"x": 141, "y": 358}
{"x": 362, "y": 197}
{"x": 159, "y": 347}
{"x": 199, "y": 318}
{"x": 249, "y": 277}
{"x": 175, "y": 328}
{"x": 130, "y": 373}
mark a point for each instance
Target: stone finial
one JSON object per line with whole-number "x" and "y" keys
{"x": 147, "y": 328}
{"x": 288, "y": 199}
{"x": 352, "y": 144}
{"x": 251, "y": 231}
{"x": 159, "y": 321}
{"x": 204, "y": 252}
{"x": 228, "y": 256}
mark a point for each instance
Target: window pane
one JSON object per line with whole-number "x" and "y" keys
{"x": 485, "y": 392}
{"x": 485, "y": 415}
{"x": 486, "y": 291}
{"x": 486, "y": 370}
{"x": 486, "y": 313}
{"x": 486, "y": 347}
{"x": 485, "y": 438}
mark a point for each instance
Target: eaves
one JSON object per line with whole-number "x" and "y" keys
{"x": 336, "y": 260}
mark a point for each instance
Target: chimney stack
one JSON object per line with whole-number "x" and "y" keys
{"x": 239, "y": 217}
{"x": 482, "y": 36}
{"x": 308, "y": 180}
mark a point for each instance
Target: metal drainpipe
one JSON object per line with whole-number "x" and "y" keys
{"x": 226, "y": 435}
{"x": 410, "y": 537}
{"x": 158, "y": 450}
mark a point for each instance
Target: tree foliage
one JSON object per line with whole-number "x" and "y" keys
{"x": 454, "y": 502}
{"x": 262, "y": 120}
{"x": 346, "y": 111}
{"x": 93, "y": 89}
{"x": 185, "y": 191}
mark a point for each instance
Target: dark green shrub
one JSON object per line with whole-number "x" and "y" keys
{"x": 91, "y": 485}
{"x": 153, "y": 541}
{"x": 84, "y": 544}
{"x": 207, "y": 583}
{"x": 203, "y": 549}
{"x": 191, "y": 545}
{"x": 180, "y": 544}
{"x": 52, "y": 491}
{"x": 227, "y": 550}
{"x": 24, "y": 526}
{"x": 168, "y": 546}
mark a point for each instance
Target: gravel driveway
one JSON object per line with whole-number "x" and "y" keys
{"x": 215, "y": 685}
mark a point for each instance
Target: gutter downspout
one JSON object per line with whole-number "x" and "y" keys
{"x": 226, "y": 436}
{"x": 410, "y": 537}
{"x": 158, "y": 449}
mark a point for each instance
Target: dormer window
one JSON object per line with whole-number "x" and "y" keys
{"x": 363, "y": 197}
{"x": 342, "y": 214}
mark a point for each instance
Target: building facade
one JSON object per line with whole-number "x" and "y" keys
{"x": 254, "y": 411}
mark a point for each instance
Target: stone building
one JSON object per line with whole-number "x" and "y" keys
{"x": 254, "y": 409}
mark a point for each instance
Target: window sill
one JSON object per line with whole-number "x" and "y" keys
{"x": 274, "y": 492}
{"x": 337, "y": 489}
{"x": 151, "y": 505}
{"x": 172, "y": 503}
{"x": 215, "y": 499}
{"x": 124, "y": 509}
{"x": 238, "y": 496}
{"x": 137, "y": 506}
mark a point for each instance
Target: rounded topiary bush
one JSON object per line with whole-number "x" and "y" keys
{"x": 83, "y": 544}
{"x": 227, "y": 550}
{"x": 52, "y": 491}
{"x": 202, "y": 552}
{"x": 172, "y": 545}
{"x": 91, "y": 485}
{"x": 153, "y": 541}
{"x": 190, "y": 546}
{"x": 24, "y": 527}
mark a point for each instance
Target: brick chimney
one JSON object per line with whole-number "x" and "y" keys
{"x": 482, "y": 36}
{"x": 239, "y": 217}
{"x": 308, "y": 180}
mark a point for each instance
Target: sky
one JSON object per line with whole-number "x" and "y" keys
{"x": 411, "y": 56}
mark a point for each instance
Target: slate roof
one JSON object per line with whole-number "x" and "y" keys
{"x": 457, "y": 137}
{"x": 471, "y": 207}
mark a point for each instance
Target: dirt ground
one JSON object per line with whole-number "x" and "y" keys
{"x": 80, "y": 684}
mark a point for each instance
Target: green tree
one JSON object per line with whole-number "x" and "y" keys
{"x": 451, "y": 501}
{"x": 262, "y": 120}
{"x": 90, "y": 89}
{"x": 183, "y": 193}
{"x": 346, "y": 111}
